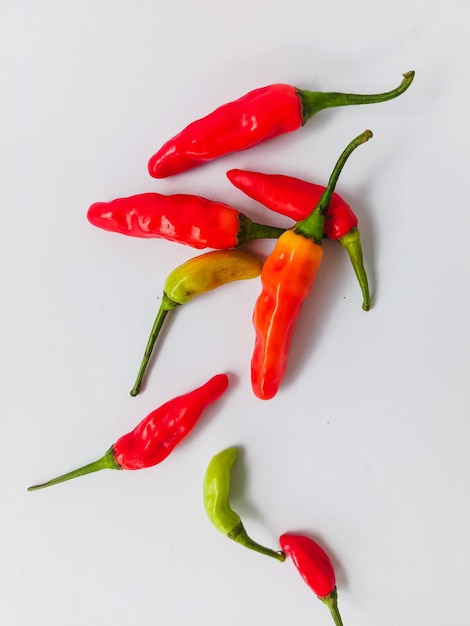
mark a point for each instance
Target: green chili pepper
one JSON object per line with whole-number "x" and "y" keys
{"x": 216, "y": 501}
{"x": 198, "y": 275}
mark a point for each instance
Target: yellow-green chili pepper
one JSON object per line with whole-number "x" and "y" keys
{"x": 217, "y": 483}
{"x": 198, "y": 275}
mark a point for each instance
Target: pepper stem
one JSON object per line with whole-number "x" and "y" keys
{"x": 248, "y": 230}
{"x": 166, "y": 306}
{"x": 331, "y": 601}
{"x": 240, "y": 535}
{"x": 312, "y": 226}
{"x": 107, "y": 461}
{"x": 352, "y": 243}
{"x": 314, "y": 101}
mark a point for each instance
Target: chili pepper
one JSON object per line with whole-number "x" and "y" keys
{"x": 192, "y": 220}
{"x": 287, "y": 278}
{"x": 217, "y": 484}
{"x": 315, "y": 568}
{"x": 156, "y": 435}
{"x": 259, "y": 115}
{"x": 295, "y": 198}
{"x": 198, "y": 275}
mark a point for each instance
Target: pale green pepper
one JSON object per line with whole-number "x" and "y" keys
{"x": 198, "y": 275}
{"x": 217, "y": 482}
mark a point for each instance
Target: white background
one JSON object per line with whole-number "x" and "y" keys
{"x": 366, "y": 446}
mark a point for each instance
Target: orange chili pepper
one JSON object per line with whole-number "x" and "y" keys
{"x": 287, "y": 278}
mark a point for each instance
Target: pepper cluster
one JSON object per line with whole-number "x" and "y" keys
{"x": 287, "y": 278}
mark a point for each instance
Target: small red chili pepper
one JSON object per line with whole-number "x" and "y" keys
{"x": 259, "y": 115}
{"x": 154, "y": 438}
{"x": 315, "y": 568}
{"x": 184, "y": 218}
{"x": 295, "y": 198}
{"x": 287, "y": 278}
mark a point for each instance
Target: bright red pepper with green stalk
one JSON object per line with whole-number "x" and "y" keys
{"x": 287, "y": 279}
{"x": 259, "y": 115}
{"x": 153, "y": 439}
{"x": 316, "y": 569}
{"x": 184, "y": 218}
{"x": 295, "y": 198}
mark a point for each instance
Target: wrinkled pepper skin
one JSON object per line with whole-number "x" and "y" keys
{"x": 157, "y": 435}
{"x": 216, "y": 492}
{"x": 259, "y": 115}
{"x": 200, "y": 274}
{"x": 315, "y": 567}
{"x": 182, "y": 218}
{"x": 287, "y": 279}
{"x": 294, "y": 198}
{"x": 153, "y": 439}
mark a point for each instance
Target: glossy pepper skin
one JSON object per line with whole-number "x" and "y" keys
{"x": 259, "y": 115}
{"x": 198, "y": 275}
{"x": 153, "y": 439}
{"x": 216, "y": 491}
{"x": 315, "y": 567}
{"x": 287, "y": 279}
{"x": 183, "y": 218}
{"x": 295, "y": 198}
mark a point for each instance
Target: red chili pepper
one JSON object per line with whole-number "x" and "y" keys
{"x": 287, "y": 278}
{"x": 154, "y": 438}
{"x": 315, "y": 568}
{"x": 184, "y": 218}
{"x": 295, "y": 198}
{"x": 259, "y": 115}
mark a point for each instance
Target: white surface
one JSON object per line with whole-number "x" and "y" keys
{"x": 367, "y": 444}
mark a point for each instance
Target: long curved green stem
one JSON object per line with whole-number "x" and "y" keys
{"x": 312, "y": 226}
{"x": 107, "y": 461}
{"x": 314, "y": 101}
{"x": 166, "y": 306}
{"x": 240, "y": 535}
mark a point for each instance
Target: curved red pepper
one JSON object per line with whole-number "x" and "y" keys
{"x": 261, "y": 114}
{"x": 295, "y": 198}
{"x": 184, "y": 218}
{"x": 156, "y": 435}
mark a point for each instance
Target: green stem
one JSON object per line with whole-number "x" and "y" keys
{"x": 352, "y": 243}
{"x": 240, "y": 535}
{"x": 108, "y": 461}
{"x": 249, "y": 230}
{"x": 314, "y": 101}
{"x": 331, "y": 601}
{"x": 312, "y": 226}
{"x": 166, "y": 306}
